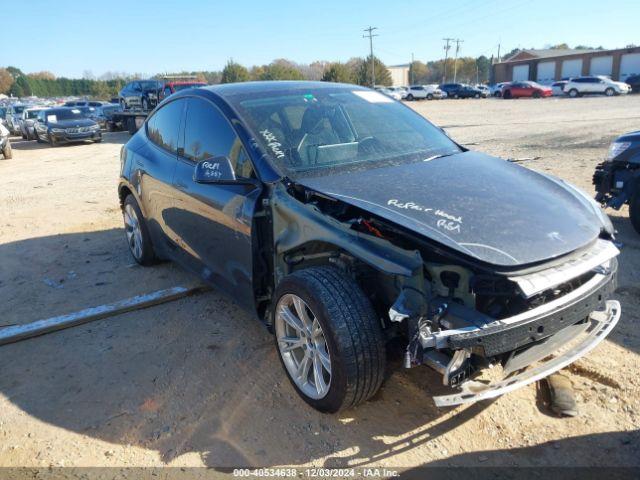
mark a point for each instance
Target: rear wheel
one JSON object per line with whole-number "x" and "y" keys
{"x": 634, "y": 209}
{"x": 329, "y": 338}
{"x": 609, "y": 92}
{"x": 136, "y": 232}
{"x": 7, "y": 152}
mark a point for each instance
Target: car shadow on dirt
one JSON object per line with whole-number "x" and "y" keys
{"x": 195, "y": 375}
{"x": 628, "y": 292}
{"x": 615, "y": 454}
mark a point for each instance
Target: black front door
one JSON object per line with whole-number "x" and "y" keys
{"x": 212, "y": 223}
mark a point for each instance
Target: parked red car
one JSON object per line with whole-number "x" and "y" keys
{"x": 525, "y": 89}
{"x": 170, "y": 88}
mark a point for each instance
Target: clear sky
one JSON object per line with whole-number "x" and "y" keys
{"x": 69, "y": 37}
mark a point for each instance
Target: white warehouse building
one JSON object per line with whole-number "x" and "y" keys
{"x": 547, "y": 66}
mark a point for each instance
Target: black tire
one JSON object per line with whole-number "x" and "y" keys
{"x": 352, "y": 331}
{"x": 7, "y": 152}
{"x": 507, "y": 95}
{"x": 536, "y": 95}
{"x": 131, "y": 125}
{"x": 24, "y": 136}
{"x": 573, "y": 93}
{"x": 410, "y": 97}
{"x": 497, "y": 94}
{"x": 634, "y": 209}
{"x": 609, "y": 92}
{"x": 429, "y": 96}
{"x": 99, "y": 140}
{"x": 148, "y": 256}
{"x": 456, "y": 96}
{"x": 38, "y": 139}
{"x": 477, "y": 95}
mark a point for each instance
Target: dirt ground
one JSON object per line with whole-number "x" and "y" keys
{"x": 197, "y": 382}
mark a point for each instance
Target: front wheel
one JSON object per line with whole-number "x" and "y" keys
{"x": 410, "y": 97}
{"x": 634, "y": 210}
{"x": 536, "y": 95}
{"x": 429, "y": 96}
{"x": 573, "y": 93}
{"x": 609, "y": 92}
{"x": 329, "y": 338}
{"x": 506, "y": 95}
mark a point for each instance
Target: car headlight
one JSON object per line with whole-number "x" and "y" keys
{"x": 95, "y": 127}
{"x": 616, "y": 149}
{"x": 57, "y": 130}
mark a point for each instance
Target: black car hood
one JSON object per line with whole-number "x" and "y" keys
{"x": 484, "y": 207}
{"x": 78, "y": 122}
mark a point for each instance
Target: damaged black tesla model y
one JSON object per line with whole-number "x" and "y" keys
{"x": 344, "y": 219}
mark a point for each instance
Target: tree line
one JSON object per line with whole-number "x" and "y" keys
{"x": 356, "y": 70}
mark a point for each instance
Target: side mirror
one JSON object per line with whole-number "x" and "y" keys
{"x": 214, "y": 170}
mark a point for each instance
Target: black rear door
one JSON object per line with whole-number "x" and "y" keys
{"x": 154, "y": 165}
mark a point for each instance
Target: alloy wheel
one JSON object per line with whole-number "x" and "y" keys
{"x": 133, "y": 231}
{"x": 303, "y": 346}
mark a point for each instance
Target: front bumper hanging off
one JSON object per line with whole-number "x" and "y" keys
{"x": 601, "y": 324}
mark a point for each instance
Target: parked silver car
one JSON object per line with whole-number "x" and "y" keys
{"x": 13, "y": 117}
{"x": 27, "y": 121}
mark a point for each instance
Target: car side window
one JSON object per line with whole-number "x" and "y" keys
{"x": 163, "y": 127}
{"x": 208, "y": 133}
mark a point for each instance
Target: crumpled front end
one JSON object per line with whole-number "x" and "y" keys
{"x": 521, "y": 326}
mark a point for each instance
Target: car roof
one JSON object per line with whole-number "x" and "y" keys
{"x": 229, "y": 89}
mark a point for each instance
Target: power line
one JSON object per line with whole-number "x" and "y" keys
{"x": 370, "y": 35}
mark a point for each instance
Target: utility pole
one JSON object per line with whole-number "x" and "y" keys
{"x": 455, "y": 62}
{"x": 370, "y": 36}
{"x": 498, "y": 53}
{"x": 411, "y": 70}
{"x": 446, "y": 57}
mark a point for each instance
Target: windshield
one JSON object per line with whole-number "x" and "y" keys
{"x": 19, "y": 109}
{"x": 32, "y": 113}
{"x": 312, "y": 133}
{"x": 64, "y": 114}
